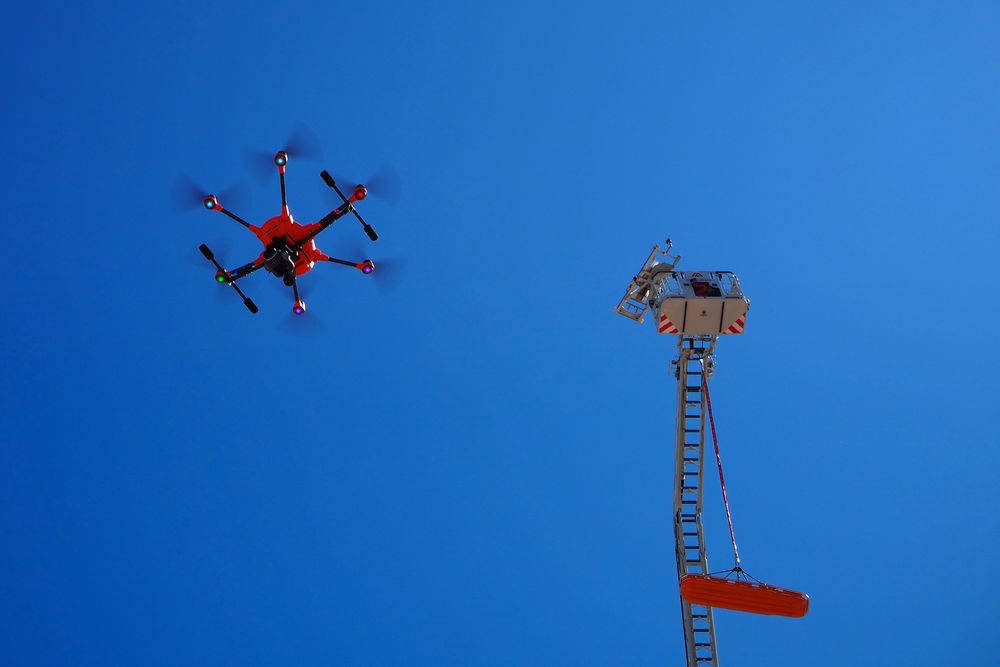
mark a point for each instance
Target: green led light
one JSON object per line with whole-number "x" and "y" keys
{"x": 221, "y": 278}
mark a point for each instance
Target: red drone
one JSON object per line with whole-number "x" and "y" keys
{"x": 289, "y": 248}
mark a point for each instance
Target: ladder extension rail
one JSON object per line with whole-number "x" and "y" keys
{"x": 689, "y": 467}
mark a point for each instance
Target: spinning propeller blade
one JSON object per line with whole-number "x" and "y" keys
{"x": 383, "y": 185}
{"x": 389, "y": 272}
{"x": 188, "y": 195}
{"x": 302, "y": 144}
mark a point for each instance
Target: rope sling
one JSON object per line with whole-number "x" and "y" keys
{"x": 738, "y": 593}
{"x": 718, "y": 460}
{"x": 737, "y": 569}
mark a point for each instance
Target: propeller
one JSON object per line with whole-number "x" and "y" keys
{"x": 307, "y": 323}
{"x": 302, "y": 144}
{"x": 384, "y": 184}
{"x": 188, "y": 194}
{"x": 389, "y": 272}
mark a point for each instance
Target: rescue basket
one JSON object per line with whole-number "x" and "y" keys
{"x": 748, "y": 596}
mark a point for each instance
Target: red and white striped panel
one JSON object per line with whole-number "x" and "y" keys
{"x": 738, "y": 326}
{"x": 666, "y": 326}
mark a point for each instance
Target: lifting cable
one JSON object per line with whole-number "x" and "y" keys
{"x": 718, "y": 459}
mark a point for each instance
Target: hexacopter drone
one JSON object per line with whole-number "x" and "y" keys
{"x": 289, "y": 247}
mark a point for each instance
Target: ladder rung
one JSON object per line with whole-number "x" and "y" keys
{"x": 693, "y": 562}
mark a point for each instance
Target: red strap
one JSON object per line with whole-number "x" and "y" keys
{"x": 718, "y": 459}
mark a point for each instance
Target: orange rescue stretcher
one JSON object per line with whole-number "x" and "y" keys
{"x": 738, "y": 595}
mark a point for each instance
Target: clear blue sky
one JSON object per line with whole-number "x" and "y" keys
{"x": 475, "y": 469}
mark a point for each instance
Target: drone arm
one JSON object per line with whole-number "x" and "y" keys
{"x": 234, "y": 216}
{"x": 245, "y": 270}
{"x": 366, "y": 266}
{"x": 212, "y": 203}
{"x": 323, "y": 223}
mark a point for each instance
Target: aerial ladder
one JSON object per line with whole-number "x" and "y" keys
{"x": 698, "y": 307}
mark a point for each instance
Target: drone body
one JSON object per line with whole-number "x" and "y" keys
{"x": 289, "y": 248}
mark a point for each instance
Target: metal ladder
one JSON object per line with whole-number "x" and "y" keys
{"x": 689, "y": 468}
{"x": 635, "y": 302}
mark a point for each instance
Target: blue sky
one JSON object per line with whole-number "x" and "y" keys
{"x": 475, "y": 468}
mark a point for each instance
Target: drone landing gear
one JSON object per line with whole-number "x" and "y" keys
{"x": 359, "y": 193}
{"x": 243, "y": 271}
{"x": 210, "y": 256}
